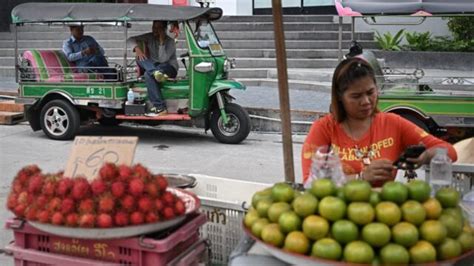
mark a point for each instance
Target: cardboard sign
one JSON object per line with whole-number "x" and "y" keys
{"x": 90, "y": 153}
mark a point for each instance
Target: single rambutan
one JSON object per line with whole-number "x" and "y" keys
{"x": 136, "y": 218}
{"x": 81, "y": 188}
{"x": 108, "y": 172}
{"x": 106, "y": 203}
{"x": 26, "y": 172}
{"x": 179, "y": 207}
{"x": 98, "y": 186}
{"x": 43, "y": 216}
{"x": 42, "y": 200}
{"x": 104, "y": 220}
{"x": 140, "y": 171}
{"x": 128, "y": 203}
{"x": 159, "y": 206}
{"x": 87, "y": 220}
{"x": 152, "y": 190}
{"x": 24, "y": 197}
{"x": 121, "y": 218}
{"x": 54, "y": 204}
{"x": 31, "y": 213}
{"x": 12, "y": 201}
{"x": 125, "y": 172}
{"x": 17, "y": 186}
{"x": 36, "y": 184}
{"x": 136, "y": 187}
{"x": 71, "y": 219}
{"x": 64, "y": 186}
{"x": 57, "y": 218}
{"x": 145, "y": 204}
{"x": 168, "y": 198}
{"x": 87, "y": 206}
{"x": 67, "y": 206}
{"x": 49, "y": 187}
{"x": 151, "y": 217}
{"x": 161, "y": 182}
{"x": 118, "y": 189}
{"x": 168, "y": 213}
{"x": 19, "y": 210}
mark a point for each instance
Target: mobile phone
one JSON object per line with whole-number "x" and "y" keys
{"x": 413, "y": 151}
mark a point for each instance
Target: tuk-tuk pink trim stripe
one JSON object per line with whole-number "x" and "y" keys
{"x": 41, "y": 66}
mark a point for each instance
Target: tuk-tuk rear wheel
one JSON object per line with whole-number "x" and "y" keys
{"x": 59, "y": 120}
{"x": 237, "y": 128}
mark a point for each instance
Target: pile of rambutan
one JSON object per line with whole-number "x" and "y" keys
{"x": 119, "y": 196}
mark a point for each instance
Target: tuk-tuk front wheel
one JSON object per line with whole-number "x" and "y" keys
{"x": 59, "y": 120}
{"x": 236, "y": 129}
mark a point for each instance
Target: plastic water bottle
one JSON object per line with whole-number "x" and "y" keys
{"x": 441, "y": 173}
{"x": 130, "y": 96}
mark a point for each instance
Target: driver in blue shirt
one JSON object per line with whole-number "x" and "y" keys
{"x": 86, "y": 53}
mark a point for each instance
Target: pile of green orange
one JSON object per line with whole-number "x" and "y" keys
{"x": 400, "y": 224}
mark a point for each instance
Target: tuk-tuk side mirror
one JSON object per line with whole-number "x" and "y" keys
{"x": 204, "y": 67}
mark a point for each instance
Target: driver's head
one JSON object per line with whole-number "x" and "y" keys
{"x": 77, "y": 31}
{"x": 159, "y": 27}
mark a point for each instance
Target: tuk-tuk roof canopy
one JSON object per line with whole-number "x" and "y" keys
{"x": 404, "y": 7}
{"x": 107, "y": 12}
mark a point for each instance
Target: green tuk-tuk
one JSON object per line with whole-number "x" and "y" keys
{"x": 60, "y": 96}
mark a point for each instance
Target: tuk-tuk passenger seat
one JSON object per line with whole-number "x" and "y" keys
{"x": 53, "y": 66}
{"x": 140, "y": 71}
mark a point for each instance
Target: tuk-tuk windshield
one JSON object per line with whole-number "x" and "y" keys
{"x": 206, "y": 37}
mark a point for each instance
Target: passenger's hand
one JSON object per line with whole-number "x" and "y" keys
{"x": 140, "y": 54}
{"x": 379, "y": 170}
{"x": 89, "y": 51}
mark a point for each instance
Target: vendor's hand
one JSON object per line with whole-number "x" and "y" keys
{"x": 378, "y": 170}
{"x": 140, "y": 54}
{"x": 424, "y": 158}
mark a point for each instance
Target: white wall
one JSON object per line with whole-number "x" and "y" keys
{"x": 160, "y": 2}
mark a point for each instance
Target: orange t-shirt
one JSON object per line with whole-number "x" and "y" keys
{"x": 388, "y": 136}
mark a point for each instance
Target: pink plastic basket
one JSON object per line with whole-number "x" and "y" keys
{"x": 179, "y": 247}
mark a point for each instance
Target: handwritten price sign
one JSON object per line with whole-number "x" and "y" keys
{"x": 90, "y": 153}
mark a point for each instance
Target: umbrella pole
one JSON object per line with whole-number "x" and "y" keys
{"x": 283, "y": 90}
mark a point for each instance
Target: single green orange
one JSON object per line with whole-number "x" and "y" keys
{"x": 276, "y": 209}
{"x": 452, "y": 223}
{"x": 433, "y": 208}
{"x": 321, "y": 188}
{"x": 271, "y": 234}
{"x": 344, "y": 231}
{"x": 388, "y": 213}
{"x": 466, "y": 240}
{"x": 422, "y": 252}
{"x": 282, "y": 192}
{"x": 296, "y": 242}
{"x": 394, "y": 192}
{"x": 448, "y": 197}
{"x": 289, "y": 221}
{"x": 405, "y": 234}
{"x": 449, "y": 249}
{"x": 357, "y": 190}
{"x": 376, "y": 234}
{"x": 262, "y": 207}
{"x": 332, "y": 208}
{"x": 419, "y": 190}
{"x": 305, "y": 205}
{"x": 315, "y": 227}
{"x": 358, "y": 252}
{"x": 394, "y": 254}
{"x": 413, "y": 212}
{"x": 250, "y": 218}
{"x": 327, "y": 248}
{"x": 360, "y": 213}
{"x": 258, "y": 226}
{"x": 263, "y": 194}
{"x": 433, "y": 231}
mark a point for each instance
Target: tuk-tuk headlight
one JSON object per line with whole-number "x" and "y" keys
{"x": 204, "y": 67}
